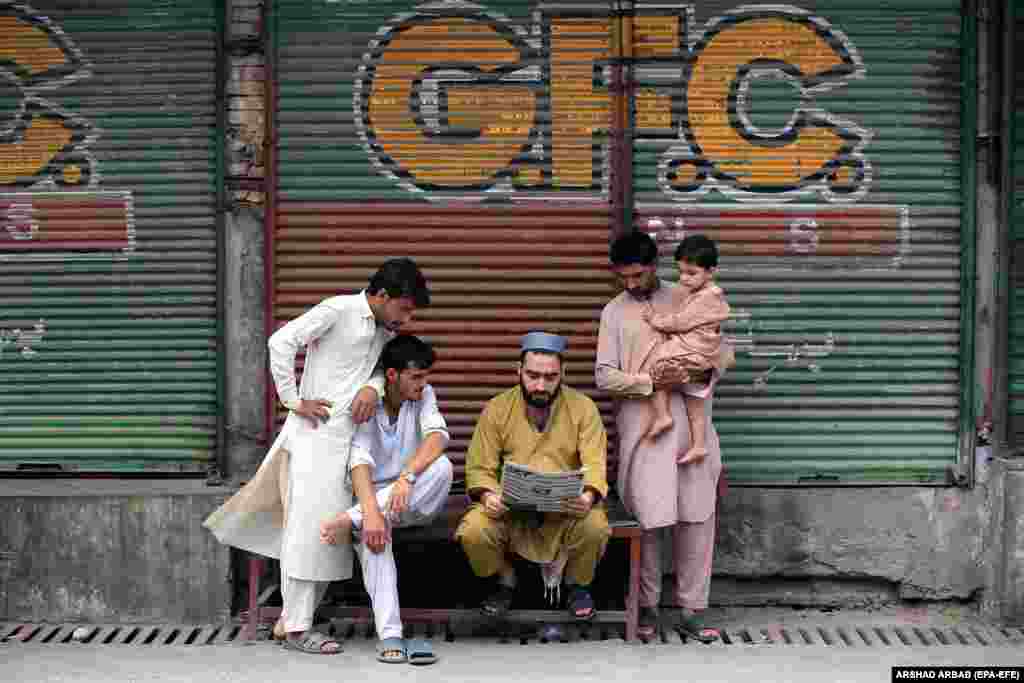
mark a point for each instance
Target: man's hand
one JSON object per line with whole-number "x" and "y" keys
{"x": 581, "y": 506}
{"x": 399, "y": 500}
{"x": 668, "y": 375}
{"x": 315, "y": 410}
{"x": 493, "y": 507}
{"x": 376, "y": 534}
{"x": 364, "y": 405}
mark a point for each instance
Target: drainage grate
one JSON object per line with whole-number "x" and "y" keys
{"x": 119, "y": 634}
{"x": 854, "y": 636}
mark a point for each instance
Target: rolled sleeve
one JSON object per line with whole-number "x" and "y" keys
{"x": 431, "y": 421}
{"x": 362, "y": 447}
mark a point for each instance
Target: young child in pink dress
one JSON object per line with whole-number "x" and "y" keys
{"x": 692, "y": 339}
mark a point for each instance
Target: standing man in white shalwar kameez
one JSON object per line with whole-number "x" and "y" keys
{"x": 302, "y": 480}
{"x": 398, "y": 469}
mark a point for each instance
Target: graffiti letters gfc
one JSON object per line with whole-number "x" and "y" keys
{"x": 452, "y": 98}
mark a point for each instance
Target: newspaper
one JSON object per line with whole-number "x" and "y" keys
{"x": 526, "y": 489}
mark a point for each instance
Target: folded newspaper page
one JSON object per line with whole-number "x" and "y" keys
{"x": 526, "y": 489}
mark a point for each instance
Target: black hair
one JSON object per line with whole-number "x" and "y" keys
{"x": 632, "y": 249}
{"x": 400, "y": 277}
{"x": 698, "y": 250}
{"x": 407, "y": 352}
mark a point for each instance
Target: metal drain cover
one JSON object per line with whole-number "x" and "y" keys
{"x": 855, "y": 636}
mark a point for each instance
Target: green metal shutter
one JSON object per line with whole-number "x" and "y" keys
{"x": 108, "y": 173}
{"x": 471, "y": 138}
{"x": 821, "y": 147}
{"x": 1015, "y": 149}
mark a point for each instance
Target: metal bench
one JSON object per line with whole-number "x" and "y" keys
{"x": 443, "y": 529}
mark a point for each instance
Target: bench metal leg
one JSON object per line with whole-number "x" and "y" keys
{"x": 253, "y": 618}
{"x": 633, "y": 597}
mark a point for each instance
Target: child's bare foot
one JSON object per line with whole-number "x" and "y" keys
{"x": 695, "y": 454}
{"x": 659, "y": 426}
{"x": 337, "y": 530}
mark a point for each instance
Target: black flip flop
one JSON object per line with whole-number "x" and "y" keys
{"x": 498, "y": 603}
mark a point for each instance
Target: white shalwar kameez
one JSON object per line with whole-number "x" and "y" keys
{"x": 387, "y": 447}
{"x": 302, "y": 480}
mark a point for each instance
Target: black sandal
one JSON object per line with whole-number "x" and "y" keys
{"x": 647, "y": 623}
{"x": 498, "y": 603}
{"x": 580, "y": 600}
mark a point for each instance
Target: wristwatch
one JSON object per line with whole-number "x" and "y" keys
{"x": 409, "y": 476}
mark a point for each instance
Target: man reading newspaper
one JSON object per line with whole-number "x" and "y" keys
{"x": 549, "y": 428}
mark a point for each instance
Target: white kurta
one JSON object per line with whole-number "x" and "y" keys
{"x": 302, "y": 480}
{"x": 386, "y": 447}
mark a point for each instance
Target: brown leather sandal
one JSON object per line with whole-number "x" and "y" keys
{"x": 312, "y": 642}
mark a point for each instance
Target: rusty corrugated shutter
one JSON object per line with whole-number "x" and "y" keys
{"x": 821, "y": 147}
{"x": 473, "y": 139}
{"x": 108, "y": 320}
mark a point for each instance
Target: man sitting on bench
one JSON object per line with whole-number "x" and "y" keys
{"x": 400, "y": 478}
{"x": 547, "y": 427}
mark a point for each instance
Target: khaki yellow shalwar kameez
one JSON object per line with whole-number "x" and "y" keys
{"x": 574, "y": 437}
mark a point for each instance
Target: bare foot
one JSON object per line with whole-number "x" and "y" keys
{"x": 659, "y": 426}
{"x": 337, "y": 530}
{"x": 693, "y": 455}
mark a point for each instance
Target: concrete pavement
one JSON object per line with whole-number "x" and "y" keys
{"x": 485, "y": 660}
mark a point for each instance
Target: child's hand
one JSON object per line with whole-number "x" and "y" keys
{"x": 648, "y": 313}
{"x": 655, "y": 320}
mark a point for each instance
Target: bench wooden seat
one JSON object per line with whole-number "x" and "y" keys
{"x": 442, "y": 529}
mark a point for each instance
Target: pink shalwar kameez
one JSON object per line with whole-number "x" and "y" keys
{"x": 662, "y": 494}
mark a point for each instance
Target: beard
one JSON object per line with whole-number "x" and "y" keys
{"x": 644, "y": 292}
{"x": 540, "y": 399}
{"x": 640, "y": 294}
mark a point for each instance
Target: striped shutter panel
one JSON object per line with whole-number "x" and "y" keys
{"x": 1015, "y": 149}
{"x": 821, "y": 148}
{"x": 471, "y": 139}
{"x": 108, "y": 162}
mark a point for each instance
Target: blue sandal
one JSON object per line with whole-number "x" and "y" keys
{"x": 420, "y": 652}
{"x": 391, "y": 645}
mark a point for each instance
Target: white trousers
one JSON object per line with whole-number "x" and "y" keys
{"x": 380, "y": 574}
{"x": 301, "y": 598}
